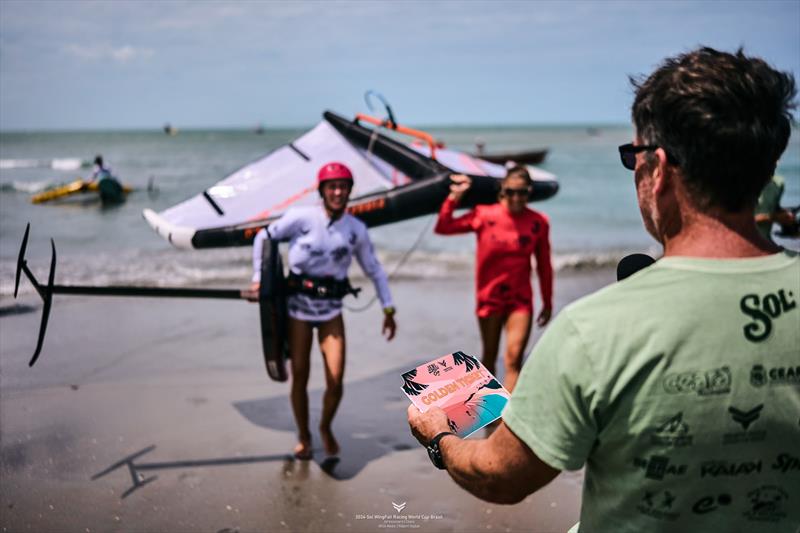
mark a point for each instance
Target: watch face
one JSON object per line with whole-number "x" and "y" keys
{"x": 435, "y": 455}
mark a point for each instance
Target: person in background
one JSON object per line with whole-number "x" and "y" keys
{"x": 322, "y": 242}
{"x": 509, "y": 233}
{"x": 677, "y": 388}
{"x": 768, "y": 208}
{"x": 99, "y": 171}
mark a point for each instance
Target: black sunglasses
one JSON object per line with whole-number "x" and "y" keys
{"x": 514, "y": 192}
{"x": 627, "y": 154}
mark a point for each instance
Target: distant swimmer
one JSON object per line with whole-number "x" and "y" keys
{"x": 322, "y": 242}
{"x": 509, "y": 233}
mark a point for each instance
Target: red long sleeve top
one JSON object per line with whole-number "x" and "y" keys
{"x": 506, "y": 242}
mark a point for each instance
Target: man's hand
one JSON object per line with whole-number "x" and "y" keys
{"x": 544, "y": 317}
{"x": 460, "y": 183}
{"x": 425, "y": 426}
{"x": 390, "y": 326}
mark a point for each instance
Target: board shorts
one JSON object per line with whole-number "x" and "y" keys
{"x": 506, "y": 306}
{"x": 313, "y": 310}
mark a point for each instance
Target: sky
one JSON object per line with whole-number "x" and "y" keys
{"x": 71, "y": 65}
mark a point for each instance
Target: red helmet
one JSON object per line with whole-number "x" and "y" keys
{"x": 333, "y": 171}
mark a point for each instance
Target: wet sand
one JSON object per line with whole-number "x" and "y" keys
{"x": 157, "y": 415}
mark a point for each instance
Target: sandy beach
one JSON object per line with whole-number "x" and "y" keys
{"x": 157, "y": 415}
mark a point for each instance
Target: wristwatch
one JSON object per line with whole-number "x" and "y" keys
{"x": 434, "y": 452}
{"x": 389, "y": 311}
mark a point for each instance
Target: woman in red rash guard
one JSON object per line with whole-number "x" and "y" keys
{"x": 509, "y": 233}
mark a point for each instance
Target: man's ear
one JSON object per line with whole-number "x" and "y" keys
{"x": 662, "y": 174}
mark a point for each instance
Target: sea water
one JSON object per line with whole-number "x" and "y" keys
{"x": 594, "y": 217}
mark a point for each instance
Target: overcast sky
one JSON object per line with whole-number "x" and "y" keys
{"x": 101, "y": 64}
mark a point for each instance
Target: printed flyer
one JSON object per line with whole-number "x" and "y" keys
{"x": 458, "y": 383}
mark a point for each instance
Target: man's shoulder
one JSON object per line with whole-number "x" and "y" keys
{"x": 670, "y": 279}
{"x": 624, "y": 300}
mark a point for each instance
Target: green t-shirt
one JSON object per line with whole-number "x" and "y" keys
{"x": 679, "y": 390}
{"x": 769, "y": 202}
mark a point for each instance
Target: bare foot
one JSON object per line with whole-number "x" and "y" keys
{"x": 303, "y": 450}
{"x": 329, "y": 442}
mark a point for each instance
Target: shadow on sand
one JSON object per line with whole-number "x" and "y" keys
{"x": 370, "y": 423}
{"x": 137, "y": 469}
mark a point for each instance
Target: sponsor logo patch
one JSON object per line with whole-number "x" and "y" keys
{"x": 778, "y": 375}
{"x": 673, "y": 432}
{"x": 745, "y": 418}
{"x": 729, "y": 468}
{"x": 715, "y": 381}
{"x": 708, "y": 504}
{"x": 763, "y": 310}
{"x": 767, "y": 504}
{"x": 658, "y": 504}
{"x": 785, "y": 463}
{"x": 658, "y": 467}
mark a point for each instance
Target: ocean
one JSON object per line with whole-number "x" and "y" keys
{"x": 594, "y": 217}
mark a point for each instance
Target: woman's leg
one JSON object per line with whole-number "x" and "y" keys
{"x": 300, "y": 335}
{"x": 490, "y": 327}
{"x": 332, "y": 346}
{"x": 518, "y": 330}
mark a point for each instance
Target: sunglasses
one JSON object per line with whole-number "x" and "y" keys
{"x": 514, "y": 192}
{"x": 627, "y": 154}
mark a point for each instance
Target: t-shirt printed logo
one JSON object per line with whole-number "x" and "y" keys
{"x": 778, "y": 375}
{"x": 762, "y": 310}
{"x": 658, "y": 504}
{"x": 715, "y": 381}
{"x": 340, "y": 253}
{"x": 707, "y": 504}
{"x": 729, "y": 468}
{"x": 673, "y": 432}
{"x": 766, "y": 504}
{"x": 786, "y": 463}
{"x": 658, "y": 467}
{"x": 745, "y": 418}
{"x": 758, "y": 376}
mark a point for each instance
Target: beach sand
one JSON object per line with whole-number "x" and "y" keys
{"x": 157, "y": 415}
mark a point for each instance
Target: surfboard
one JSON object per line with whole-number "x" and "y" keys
{"x": 110, "y": 190}
{"x": 274, "y": 317}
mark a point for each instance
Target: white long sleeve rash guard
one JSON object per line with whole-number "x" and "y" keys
{"x": 319, "y": 247}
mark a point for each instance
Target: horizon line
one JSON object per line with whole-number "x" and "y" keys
{"x": 280, "y": 128}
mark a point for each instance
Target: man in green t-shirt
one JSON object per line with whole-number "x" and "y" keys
{"x": 678, "y": 389}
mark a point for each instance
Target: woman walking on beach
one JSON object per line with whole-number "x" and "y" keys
{"x": 322, "y": 242}
{"x": 509, "y": 233}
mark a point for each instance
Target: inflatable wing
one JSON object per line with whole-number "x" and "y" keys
{"x": 393, "y": 182}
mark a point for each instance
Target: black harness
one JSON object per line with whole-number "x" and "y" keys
{"x": 320, "y": 287}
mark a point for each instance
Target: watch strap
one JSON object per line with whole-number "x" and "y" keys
{"x": 434, "y": 452}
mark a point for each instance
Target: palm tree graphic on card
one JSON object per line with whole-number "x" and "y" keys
{"x": 458, "y": 383}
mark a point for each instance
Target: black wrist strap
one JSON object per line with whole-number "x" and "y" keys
{"x": 440, "y": 436}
